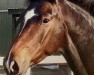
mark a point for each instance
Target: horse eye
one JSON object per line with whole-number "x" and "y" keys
{"x": 45, "y": 20}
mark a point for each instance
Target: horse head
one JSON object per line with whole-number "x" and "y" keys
{"x": 41, "y": 35}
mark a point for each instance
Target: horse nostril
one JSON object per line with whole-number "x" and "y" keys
{"x": 14, "y": 67}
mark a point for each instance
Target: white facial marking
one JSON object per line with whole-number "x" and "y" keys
{"x": 7, "y": 63}
{"x": 29, "y": 14}
{"x": 11, "y": 66}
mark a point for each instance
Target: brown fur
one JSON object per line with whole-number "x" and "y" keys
{"x": 68, "y": 27}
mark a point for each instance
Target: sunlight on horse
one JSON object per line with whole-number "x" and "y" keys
{"x": 54, "y": 24}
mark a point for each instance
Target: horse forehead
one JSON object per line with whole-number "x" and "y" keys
{"x": 30, "y": 14}
{"x": 39, "y": 9}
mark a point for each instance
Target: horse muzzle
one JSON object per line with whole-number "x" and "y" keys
{"x": 12, "y": 67}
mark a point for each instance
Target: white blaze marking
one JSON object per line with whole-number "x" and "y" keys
{"x": 11, "y": 66}
{"x": 29, "y": 14}
{"x": 7, "y": 63}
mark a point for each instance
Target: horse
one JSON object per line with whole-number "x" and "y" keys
{"x": 48, "y": 26}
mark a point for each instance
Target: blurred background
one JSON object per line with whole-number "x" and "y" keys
{"x": 7, "y": 27}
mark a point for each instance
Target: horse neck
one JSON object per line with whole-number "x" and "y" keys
{"x": 80, "y": 24}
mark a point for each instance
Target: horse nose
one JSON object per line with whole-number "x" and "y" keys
{"x": 14, "y": 68}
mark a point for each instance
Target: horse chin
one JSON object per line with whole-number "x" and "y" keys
{"x": 22, "y": 68}
{"x": 23, "y": 71}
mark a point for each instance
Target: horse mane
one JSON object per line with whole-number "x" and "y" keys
{"x": 87, "y": 5}
{"x": 75, "y": 9}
